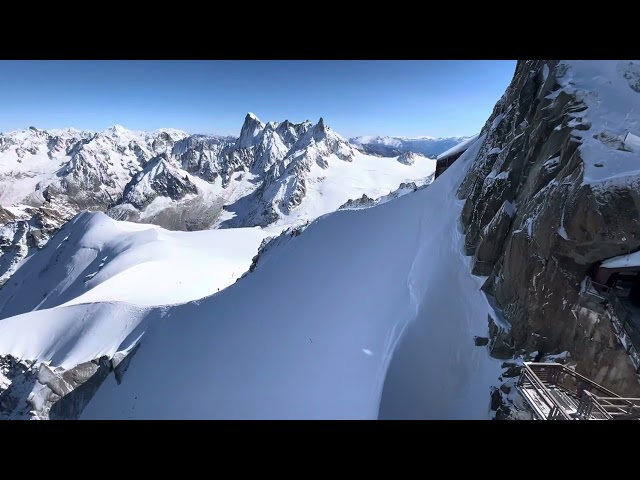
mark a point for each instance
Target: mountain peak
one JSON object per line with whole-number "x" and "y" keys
{"x": 407, "y": 158}
{"x": 251, "y": 128}
{"x": 116, "y": 130}
{"x": 320, "y": 129}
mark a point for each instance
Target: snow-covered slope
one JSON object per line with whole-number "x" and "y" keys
{"x": 394, "y": 146}
{"x": 95, "y": 284}
{"x": 300, "y": 337}
{"x": 97, "y": 259}
{"x": 310, "y": 333}
{"x": 610, "y": 145}
{"x": 326, "y": 314}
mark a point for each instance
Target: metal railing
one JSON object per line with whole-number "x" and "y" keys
{"x": 619, "y": 406}
{"x": 592, "y": 401}
{"x": 588, "y": 405}
{"x": 529, "y": 379}
{"x": 594, "y": 287}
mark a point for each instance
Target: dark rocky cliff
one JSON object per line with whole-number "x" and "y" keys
{"x": 535, "y": 227}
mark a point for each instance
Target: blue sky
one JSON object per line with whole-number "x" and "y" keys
{"x": 395, "y": 97}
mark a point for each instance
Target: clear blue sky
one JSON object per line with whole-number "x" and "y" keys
{"x": 397, "y": 97}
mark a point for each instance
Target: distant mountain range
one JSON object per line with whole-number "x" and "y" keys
{"x": 190, "y": 182}
{"x": 273, "y": 174}
{"x": 394, "y": 146}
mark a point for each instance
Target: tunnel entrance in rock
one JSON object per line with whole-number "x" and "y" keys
{"x": 624, "y": 282}
{"x": 626, "y": 285}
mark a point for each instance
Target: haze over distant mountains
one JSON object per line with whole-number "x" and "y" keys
{"x": 392, "y": 146}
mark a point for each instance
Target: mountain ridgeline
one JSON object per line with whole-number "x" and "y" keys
{"x": 394, "y": 146}
{"x": 272, "y": 173}
{"x": 170, "y": 178}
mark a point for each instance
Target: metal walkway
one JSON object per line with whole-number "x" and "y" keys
{"x": 555, "y": 392}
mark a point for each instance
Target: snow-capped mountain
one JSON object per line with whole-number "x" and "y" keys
{"x": 188, "y": 182}
{"x": 366, "y": 312}
{"x": 280, "y": 174}
{"x": 353, "y": 282}
{"x": 25, "y": 229}
{"x": 394, "y": 146}
{"x": 82, "y": 168}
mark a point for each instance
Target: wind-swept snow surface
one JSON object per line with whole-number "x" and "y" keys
{"x": 68, "y": 336}
{"x": 311, "y": 332}
{"x": 97, "y": 259}
{"x": 609, "y": 90}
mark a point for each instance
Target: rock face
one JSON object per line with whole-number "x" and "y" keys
{"x": 159, "y": 178}
{"x": 32, "y": 390}
{"x": 408, "y": 158}
{"x": 366, "y": 202}
{"x": 541, "y": 208}
{"x": 23, "y": 230}
{"x": 17, "y": 379}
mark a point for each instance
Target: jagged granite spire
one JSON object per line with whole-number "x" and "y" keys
{"x": 251, "y": 129}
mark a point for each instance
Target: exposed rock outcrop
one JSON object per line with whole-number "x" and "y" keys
{"x": 31, "y": 390}
{"x": 537, "y": 218}
{"x": 367, "y": 202}
{"x": 407, "y": 158}
{"x": 25, "y": 229}
{"x": 159, "y": 178}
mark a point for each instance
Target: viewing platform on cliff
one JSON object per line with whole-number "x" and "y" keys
{"x": 555, "y": 392}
